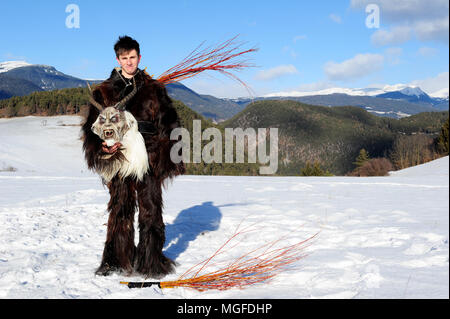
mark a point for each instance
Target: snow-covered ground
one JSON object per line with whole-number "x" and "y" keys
{"x": 380, "y": 237}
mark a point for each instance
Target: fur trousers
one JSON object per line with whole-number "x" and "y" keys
{"x": 120, "y": 252}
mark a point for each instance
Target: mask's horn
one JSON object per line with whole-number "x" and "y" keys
{"x": 92, "y": 100}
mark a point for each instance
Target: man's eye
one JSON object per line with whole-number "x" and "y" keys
{"x": 114, "y": 119}
{"x": 102, "y": 120}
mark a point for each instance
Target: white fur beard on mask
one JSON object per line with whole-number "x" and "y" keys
{"x": 110, "y": 142}
{"x": 133, "y": 148}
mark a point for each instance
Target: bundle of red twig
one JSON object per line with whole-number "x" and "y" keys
{"x": 258, "y": 265}
{"x": 221, "y": 58}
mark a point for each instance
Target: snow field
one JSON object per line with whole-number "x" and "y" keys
{"x": 380, "y": 237}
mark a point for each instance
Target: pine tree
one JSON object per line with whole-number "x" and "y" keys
{"x": 314, "y": 170}
{"x": 441, "y": 142}
{"x": 362, "y": 158}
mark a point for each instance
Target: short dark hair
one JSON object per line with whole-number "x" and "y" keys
{"x": 126, "y": 44}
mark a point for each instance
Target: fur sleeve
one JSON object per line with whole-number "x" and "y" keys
{"x": 92, "y": 144}
{"x": 165, "y": 119}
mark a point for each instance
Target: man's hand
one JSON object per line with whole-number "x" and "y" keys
{"x": 110, "y": 149}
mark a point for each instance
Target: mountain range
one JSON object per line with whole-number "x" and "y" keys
{"x": 392, "y": 101}
{"x": 18, "y": 78}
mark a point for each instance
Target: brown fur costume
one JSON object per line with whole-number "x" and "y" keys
{"x": 152, "y": 108}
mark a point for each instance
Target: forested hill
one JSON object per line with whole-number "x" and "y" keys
{"x": 333, "y": 136}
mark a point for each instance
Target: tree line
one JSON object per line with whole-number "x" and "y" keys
{"x": 46, "y": 103}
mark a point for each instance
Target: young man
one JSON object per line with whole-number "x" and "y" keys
{"x": 152, "y": 108}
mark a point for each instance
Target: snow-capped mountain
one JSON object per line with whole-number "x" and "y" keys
{"x": 410, "y": 94}
{"x": 19, "y": 78}
{"x": 413, "y": 91}
{"x": 370, "y": 91}
{"x": 335, "y": 90}
{"x": 46, "y": 77}
{"x": 9, "y": 65}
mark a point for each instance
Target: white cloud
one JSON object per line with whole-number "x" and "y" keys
{"x": 288, "y": 50}
{"x": 336, "y": 18}
{"x": 406, "y": 10}
{"x": 397, "y": 35}
{"x": 426, "y": 19}
{"x": 433, "y": 84}
{"x": 13, "y": 57}
{"x": 303, "y": 89}
{"x": 354, "y": 68}
{"x": 393, "y": 55}
{"x": 299, "y": 37}
{"x": 427, "y": 52}
{"x": 276, "y": 72}
{"x": 315, "y": 86}
{"x": 432, "y": 30}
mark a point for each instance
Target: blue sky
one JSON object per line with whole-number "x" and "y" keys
{"x": 303, "y": 45}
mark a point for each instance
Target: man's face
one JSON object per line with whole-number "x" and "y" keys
{"x": 129, "y": 62}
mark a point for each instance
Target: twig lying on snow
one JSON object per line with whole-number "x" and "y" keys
{"x": 258, "y": 265}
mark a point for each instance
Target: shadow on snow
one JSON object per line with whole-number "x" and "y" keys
{"x": 190, "y": 223}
